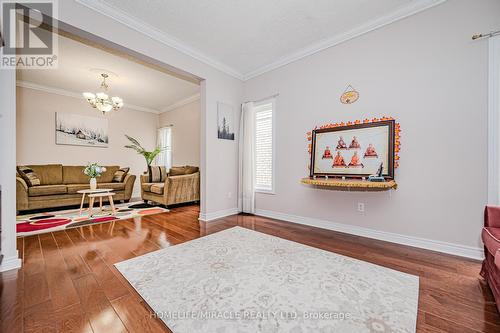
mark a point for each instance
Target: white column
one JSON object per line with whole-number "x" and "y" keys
{"x": 494, "y": 122}
{"x": 203, "y": 149}
{"x": 8, "y": 168}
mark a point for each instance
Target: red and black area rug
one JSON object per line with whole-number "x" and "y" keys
{"x": 32, "y": 224}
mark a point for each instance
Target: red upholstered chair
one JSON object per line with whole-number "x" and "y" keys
{"x": 491, "y": 239}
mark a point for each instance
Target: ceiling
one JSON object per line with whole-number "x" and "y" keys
{"x": 79, "y": 66}
{"x": 247, "y": 38}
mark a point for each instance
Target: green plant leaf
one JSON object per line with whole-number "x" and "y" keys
{"x": 149, "y": 156}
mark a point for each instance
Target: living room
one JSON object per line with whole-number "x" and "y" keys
{"x": 60, "y": 131}
{"x": 332, "y": 179}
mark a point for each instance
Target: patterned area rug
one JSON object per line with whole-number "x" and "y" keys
{"x": 239, "y": 280}
{"x": 52, "y": 221}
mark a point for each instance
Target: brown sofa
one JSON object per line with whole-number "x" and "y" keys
{"x": 59, "y": 185}
{"x": 490, "y": 234}
{"x": 182, "y": 187}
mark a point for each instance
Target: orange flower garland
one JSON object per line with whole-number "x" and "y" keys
{"x": 397, "y": 134}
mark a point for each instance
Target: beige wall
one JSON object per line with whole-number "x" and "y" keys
{"x": 427, "y": 73}
{"x": 185, "y": 133}
{"x": 36, "y": 137}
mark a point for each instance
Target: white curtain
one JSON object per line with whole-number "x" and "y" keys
{"x": 164, "y": 141}
{"x": 246, "y": 195}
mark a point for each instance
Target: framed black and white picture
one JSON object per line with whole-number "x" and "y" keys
{"x": 225, "y": 121}
{"x": 76, "y": 130}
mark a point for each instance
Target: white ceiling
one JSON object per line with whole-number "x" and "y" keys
{"x": 142, "y": 88}
{"x": 246, "y": 38}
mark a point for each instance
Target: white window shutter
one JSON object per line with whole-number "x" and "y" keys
{"x": 264, "y": 147}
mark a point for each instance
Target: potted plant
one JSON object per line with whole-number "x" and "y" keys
{"x": 93, "y": 170}
{"x": 149, "y": 156}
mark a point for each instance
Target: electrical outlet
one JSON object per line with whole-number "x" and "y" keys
{"x": 229, "y": 195}
{"x": 361, "y": 207}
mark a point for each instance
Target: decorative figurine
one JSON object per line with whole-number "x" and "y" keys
{"x": 341, "y": 144}
{"x": 355, "y": 162}
{"x": 327, "y": 153}
{"x": 378, "y": 176}
{"x": 338, "y": 161}
{"x": 370, "y": 152}
{"x": 354, "y": 143}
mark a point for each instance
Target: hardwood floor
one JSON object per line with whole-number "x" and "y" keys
{"x": 68, "y": 282}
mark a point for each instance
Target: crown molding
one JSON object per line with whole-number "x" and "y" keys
{"x": 128, "y": 20}
{"x": 160, "y": 36}
{"x": 412, "y": 9}
{"x": 67, "y": 93}
{"x": 180, "y": 103}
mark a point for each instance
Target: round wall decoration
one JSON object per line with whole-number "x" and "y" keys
{"x": 349, "y": 96}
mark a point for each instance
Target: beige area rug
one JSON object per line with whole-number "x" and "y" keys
{"x": 239, "y": 280}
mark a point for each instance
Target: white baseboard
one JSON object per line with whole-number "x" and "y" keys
{"x": 10, "y": 263}
{"x": 218, "y": 214}
{"x": 429, "y": 244}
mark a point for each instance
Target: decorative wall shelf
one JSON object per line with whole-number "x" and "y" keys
{"x": 351, "y": 184}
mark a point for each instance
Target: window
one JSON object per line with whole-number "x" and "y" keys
{"x": 264, "y": 146}
{"x": 164, "y": 141}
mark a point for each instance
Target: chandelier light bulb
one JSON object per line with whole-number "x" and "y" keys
{"x": 102, "y": 96}
{"x": 89, "y": 96}
{"x": 101, "y": 101}
{"x": 117, "y": 102}
{"x": 105, "y": 108}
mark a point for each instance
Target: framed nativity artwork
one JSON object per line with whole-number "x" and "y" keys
{"x": 355, "y": 150}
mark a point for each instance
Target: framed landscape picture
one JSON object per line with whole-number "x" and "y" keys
{"x": 225, "y": 122}
{"x": 354, "y": 150}
{"x": 76, "y": 130}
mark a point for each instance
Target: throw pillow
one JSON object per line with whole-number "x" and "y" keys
{"x": 191, "y": 169}
{"x": 29, "y": 176}
{"x": 120, "y": 174}
{"x": 157, "y": 174}
{"x": 177, "y": 171}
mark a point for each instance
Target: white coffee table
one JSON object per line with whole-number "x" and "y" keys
{"x": 101, "y": 195}
{"x": 88, "y": 192}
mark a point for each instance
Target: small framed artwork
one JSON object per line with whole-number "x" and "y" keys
{"x": 354, "y": 150}
{"x": 225, "y": 121}
{"x": 76, "y": 130}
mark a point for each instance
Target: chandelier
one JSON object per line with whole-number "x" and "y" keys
{"x": 101, "y": 101}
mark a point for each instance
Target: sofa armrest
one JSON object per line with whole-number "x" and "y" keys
{"x": 144, "y": 179}
{"x": 185, "y": 187}
{"x": 21, "y": 194}
{"x": 492, "y": 216}
{"x": 129, "y": 185}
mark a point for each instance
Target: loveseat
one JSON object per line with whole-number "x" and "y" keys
{"x": 491, "y": 239}
{"x": 59, "y": 185}
{"x": 179, "y": 185}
